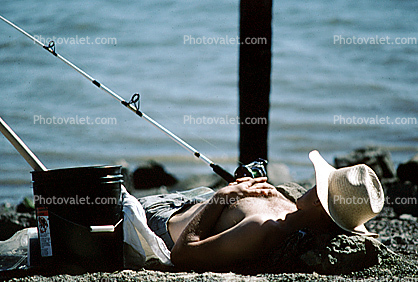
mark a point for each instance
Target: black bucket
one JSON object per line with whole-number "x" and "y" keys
{"x": 74, "y": 199}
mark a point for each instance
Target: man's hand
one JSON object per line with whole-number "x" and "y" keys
{"x": 247, "y": 187}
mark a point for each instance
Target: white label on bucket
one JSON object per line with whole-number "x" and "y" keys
{"x": 44, "y": 231}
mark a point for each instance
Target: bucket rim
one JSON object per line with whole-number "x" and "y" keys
{"x": 91, "y": 167}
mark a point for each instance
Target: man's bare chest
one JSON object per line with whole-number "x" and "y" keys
{"x": 268, "y": 208}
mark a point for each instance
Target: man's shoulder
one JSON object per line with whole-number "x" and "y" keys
{"x": 263, "y": 234}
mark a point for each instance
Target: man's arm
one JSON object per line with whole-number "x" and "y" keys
{"x": 199, "y": 249}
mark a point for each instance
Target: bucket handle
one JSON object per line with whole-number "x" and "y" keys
{"x": 104, "y": 228}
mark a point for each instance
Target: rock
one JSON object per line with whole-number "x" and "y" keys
{"x": 278, "y": 173}
{"x": 307, "y": 252}
{"x": 345, "y": 254}
{"x": 403, "y": 197}
{"x": 409, "y": 171}
{"x": 291, "y": 190}
{"x": 26, "y": 206}
{"x": 11, "y": 222}
{"x": 152, "y": 175}
{"x": 403, "y": 194}
{"x": 127, "y": 175}
{"x": 5, "y": 207}
{"x": 407, "y": 217}
{"x": 336, "y": 254}
{"x": 128, "y": 179}
{"x": 378, "y": 159}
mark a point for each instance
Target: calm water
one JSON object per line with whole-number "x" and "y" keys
{"x": 314, "y": 81}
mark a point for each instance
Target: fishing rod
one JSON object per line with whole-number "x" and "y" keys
{"x": 133, "y": 104}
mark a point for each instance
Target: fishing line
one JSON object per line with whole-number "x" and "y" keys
{"x": 132, "y": 104}
{"x": 192, "y": 133}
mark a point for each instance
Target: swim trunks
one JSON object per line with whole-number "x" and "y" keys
{"x": 160, "y": 208}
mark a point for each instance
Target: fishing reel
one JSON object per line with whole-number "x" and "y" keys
{"x": 255, "y": 169}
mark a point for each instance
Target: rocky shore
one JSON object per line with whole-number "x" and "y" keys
{"x": 394, "y": 255}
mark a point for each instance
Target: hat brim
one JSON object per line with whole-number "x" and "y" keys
{"x": 361, "y": 230}
{"x": 323, "y": 170}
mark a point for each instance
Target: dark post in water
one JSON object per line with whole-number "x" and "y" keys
{"x": 254, "y": 78}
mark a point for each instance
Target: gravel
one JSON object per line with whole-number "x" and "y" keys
{"x": 398, "y": 232}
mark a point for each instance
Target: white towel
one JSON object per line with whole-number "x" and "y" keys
{"x": 142, "y": 241}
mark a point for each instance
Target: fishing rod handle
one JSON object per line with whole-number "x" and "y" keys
{"x": 222, "y": 173}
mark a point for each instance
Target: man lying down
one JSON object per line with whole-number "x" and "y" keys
{"x": 244, "y": 221}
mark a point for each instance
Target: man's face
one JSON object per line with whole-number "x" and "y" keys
{"x": 309, "y": 214}
{"x": 308, "y": 200}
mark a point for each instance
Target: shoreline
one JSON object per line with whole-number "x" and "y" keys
{"x": 397, "y": 229}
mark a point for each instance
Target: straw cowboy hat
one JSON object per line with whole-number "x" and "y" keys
{"x": 351, "y": 195}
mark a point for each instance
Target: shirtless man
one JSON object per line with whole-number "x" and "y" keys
{"x": 216, "y": 234}
{"x": 249, "y": 217}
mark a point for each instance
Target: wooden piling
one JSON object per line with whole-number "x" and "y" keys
{"x": 254, "y": 78}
